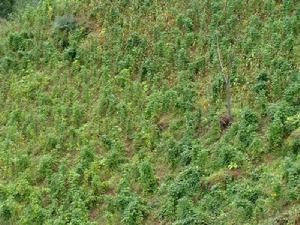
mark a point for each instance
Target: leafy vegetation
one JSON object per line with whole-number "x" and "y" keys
{"x": 6, "y": 7}
{"x": 116, "y": 112}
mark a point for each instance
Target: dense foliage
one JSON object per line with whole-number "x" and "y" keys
{"x": 6, "y": 7}
{"x": 110, "y": 112}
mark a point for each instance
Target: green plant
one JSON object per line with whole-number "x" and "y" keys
{"x": 185, "y": 213}
{"x": 132, "y": 207}
{"x": 248, "y": 127}
{"x": 64, "y": 23}
{"x": 6, "y": 7}
{"x": 110, "y": 112}
{"x": 147, "y": 177}
{"x": 275, "y": 134}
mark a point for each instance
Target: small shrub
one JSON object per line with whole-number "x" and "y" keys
{"x": 250, "y": 118}
{"x": 182, "y": 59}
{"x": 132, "y": 208}
{"x": 261, "y": 85}
{"x": 293, "y": 141}
{"x": 185, "y": 23}
{"x": 65, "y": 23}
{"x": 248, "y": 127}
{"x": 217, "y": 87}
{"x": 70, "y": 54}
{"x": 19, "y": 41}
{"x": 134, "y": 213}
{"x": 6, "y": 7}
{"x": 198, "y": 66}
{"x": 292, "y": 93}
{"x": 291, "y": 177}
{"x": 147, "y": 177}
{"x": 275, "y": 134}
{"x": 61, "y": 29}
{"x": 45, "y": 167}
{"x": 135, "y": 40}
{"x": 5, "y": 212}
{"x": 186, "y": 214}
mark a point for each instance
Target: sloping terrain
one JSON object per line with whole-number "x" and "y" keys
{"x": 114, "y": 112}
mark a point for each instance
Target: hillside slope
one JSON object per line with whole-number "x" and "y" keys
{"x": 110, "y": 113}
